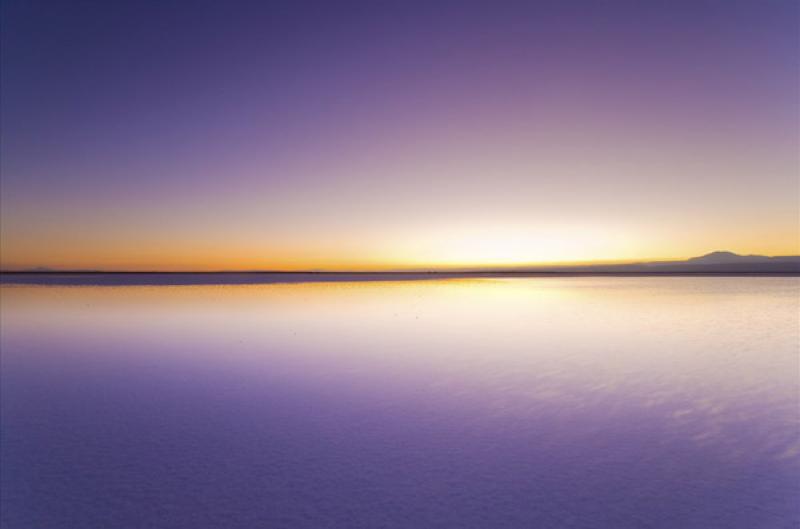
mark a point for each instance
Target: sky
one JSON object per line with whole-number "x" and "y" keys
{"x": 301, "y": 135}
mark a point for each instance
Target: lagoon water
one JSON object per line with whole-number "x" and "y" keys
{"x": 563, "y": 402}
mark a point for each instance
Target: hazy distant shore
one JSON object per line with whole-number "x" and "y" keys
{"x": 237, "y": 278}
{"x": 721, "y": 263}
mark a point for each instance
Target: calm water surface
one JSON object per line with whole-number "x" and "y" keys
{"x": 583, "y": 402}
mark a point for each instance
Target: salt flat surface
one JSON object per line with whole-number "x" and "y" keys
{"x": 584, "y": 402}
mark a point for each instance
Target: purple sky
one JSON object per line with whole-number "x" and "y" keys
{"x": 197, "y": 135}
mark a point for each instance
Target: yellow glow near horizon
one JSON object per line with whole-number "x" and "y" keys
{"x": 503, "y": 246}
{"x": 493, "y": 246}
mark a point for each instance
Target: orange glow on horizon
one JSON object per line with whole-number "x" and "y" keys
{"x": 461, "y": 254}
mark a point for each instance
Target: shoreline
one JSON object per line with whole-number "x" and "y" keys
{"x": 250, "y": 278}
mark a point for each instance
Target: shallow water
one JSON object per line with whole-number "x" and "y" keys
{"x": 583, "y": 402}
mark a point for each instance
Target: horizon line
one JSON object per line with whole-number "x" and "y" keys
{"x": 552, "y": 267}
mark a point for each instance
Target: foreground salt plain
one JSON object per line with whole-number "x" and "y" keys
{"x": 574, "y": 402}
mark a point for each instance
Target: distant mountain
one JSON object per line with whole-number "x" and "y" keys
{"x": 718, "y": 262}
{"x": 727, "y": 257}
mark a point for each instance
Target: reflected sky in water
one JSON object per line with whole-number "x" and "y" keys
{"x": 581, "y": 402}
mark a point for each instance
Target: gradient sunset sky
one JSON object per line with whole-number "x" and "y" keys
{"x": 372, "y": 135}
